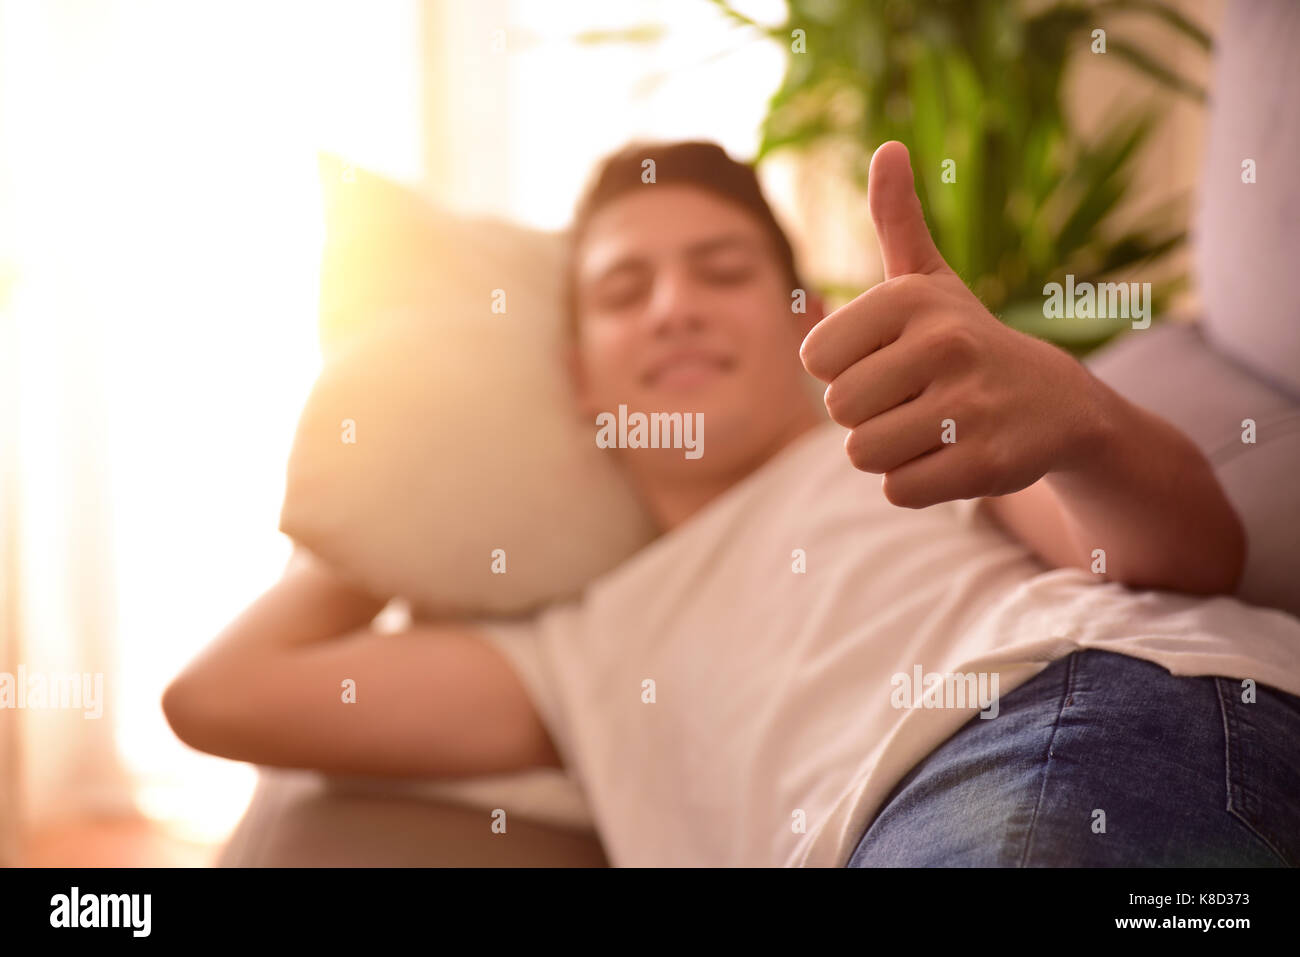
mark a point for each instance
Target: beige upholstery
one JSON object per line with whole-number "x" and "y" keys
{"x": 298, "y": 820}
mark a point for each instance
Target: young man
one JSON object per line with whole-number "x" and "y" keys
{"x": 810, "y": 666}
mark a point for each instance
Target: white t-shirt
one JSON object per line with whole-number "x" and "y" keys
{"x": 728, "y": 696}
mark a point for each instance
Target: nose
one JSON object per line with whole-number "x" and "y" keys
{"x": 674, "y": 307}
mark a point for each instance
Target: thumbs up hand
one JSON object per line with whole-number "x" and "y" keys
{"x": 940, "y": 397}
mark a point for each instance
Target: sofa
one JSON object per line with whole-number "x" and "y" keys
{"x": 1226, "y": 374}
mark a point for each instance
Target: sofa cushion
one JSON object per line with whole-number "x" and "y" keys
{"x": 1172, "y": 371}
{"x": 440, "y": 457}
{"x": 1247, "y": 234}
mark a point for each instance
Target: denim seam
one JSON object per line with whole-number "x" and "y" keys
{"x": 1047, "y": 758}
{"x": 1229, "y": 736}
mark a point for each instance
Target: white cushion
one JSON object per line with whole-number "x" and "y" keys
{"x": 467, "y": 439}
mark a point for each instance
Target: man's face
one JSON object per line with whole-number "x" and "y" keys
{"x": 684, "y": 307}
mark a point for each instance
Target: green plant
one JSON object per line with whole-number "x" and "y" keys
{"x": 979, "y": 82}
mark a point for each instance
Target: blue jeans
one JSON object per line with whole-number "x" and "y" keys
{"x": 1103, "y": 760}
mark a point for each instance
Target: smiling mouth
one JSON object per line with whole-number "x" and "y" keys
{"x": 687, "y": 371}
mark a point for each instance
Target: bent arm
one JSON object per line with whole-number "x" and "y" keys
{"x": 1145, "y": 494}
{"x": 431, "y": 700}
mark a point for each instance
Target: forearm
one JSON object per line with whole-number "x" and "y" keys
{"x": 1143, "y": 493}
{"x": 299, "y": 680}
{"x": 310, "y": 604}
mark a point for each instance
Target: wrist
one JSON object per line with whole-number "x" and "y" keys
{"x": 1102, "y": 422}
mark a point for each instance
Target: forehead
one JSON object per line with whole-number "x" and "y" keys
{"x": 660, "y": 221}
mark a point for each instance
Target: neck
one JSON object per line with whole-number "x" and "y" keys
{"x": 674, "y": 496}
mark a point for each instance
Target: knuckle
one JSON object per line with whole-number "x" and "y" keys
{"x": 986, "y": 473}
{"x": 973, "y": 406}
{"x": 807, "y": 353}
{"x": 954, "y": 341}
{"x": 970, "y": 406}
{"x": 858, "y": 451}
{"x": 813, "y": 357}
{"x": 898, "y": 493}
{"x": 836, "y": 400}
{"x": 910, "y": 285}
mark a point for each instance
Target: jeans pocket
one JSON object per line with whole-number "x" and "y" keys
{"x": 1261, "y": 738}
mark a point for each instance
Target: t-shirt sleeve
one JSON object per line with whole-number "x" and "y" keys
{"x": 536, "y": 647}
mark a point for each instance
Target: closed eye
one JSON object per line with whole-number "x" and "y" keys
{"x": 726, "y": 276}
{"x": 727, "y": 262}
{"x": 620, "y": 288}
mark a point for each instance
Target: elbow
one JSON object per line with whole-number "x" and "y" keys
{"x": 1224, "y": 549}
{"x": 1215, "y": 569}
{"x": 179, "y": 707}
{"x": 187, "y": 704}
{"x": 1221, "y": 579}
{"x": 1210, "y": 566}
{"x": 1236, "y": 551}
{"x": 1223, "y": 557}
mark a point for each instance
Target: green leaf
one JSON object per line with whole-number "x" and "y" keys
{"x": 981, "y": 82}
{"x": 1168, "y": 14}
{"x": 1155, "y": 69}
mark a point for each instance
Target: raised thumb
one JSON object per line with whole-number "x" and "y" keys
{"x": 905, "y": 243}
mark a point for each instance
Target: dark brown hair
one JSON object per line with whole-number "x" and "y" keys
{"x": 692, "y": 162}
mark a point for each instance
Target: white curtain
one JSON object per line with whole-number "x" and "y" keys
{"x": 159, "y": 235}
{"x": 58, "y": 614}
{"x": 159, "y": 242}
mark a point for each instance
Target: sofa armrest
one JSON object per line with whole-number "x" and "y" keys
{"x": 302, "y": 819}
